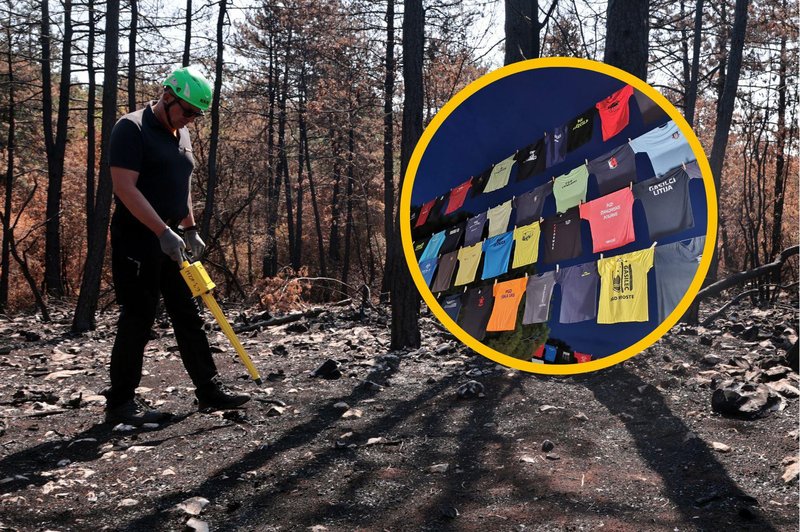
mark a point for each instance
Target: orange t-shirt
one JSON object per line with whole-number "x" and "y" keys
{"x": 507, "y": 296}
{"x": 610, "y": 219}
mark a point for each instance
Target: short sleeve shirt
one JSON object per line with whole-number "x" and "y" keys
{"x": 526, "y": 250}
{"x": 570, "y": 189}
{"x": 434, "y": 244}
{"x": 580, "y": 129}
{"x": 556, "y": 145}
{"x": 499, "y": 176}
{"x": 615, "y": 112}
{"x": 578, "y": 292}
{"x": 474, "y": 229}
{"x": 648, "y": 108}
{"x": 498, "y": 218}
{"x": 676, "y": 265}
{"x": 666, "y": 203}
{"x": 561, "y": 237}
{"x": 452, "y": 238}
{"x": 419, "y": 246}
{"x": 425, "y": 212}
{"x": 497, "y": 251}
{"x": 530, "y": 204}
{"x": 507, "y": 296}
{"x": 623, "y": 287}
{"x": 537, "y": 299}
{"x": 550, "y": 352}
{"x": 614, "y": 170}
{"x": 665, "y": 146}
{"x": 428, "y": 267}
{"x": 610, "y": 219}
{"x": 531, "y": 160}
{"x": 468, "y": 260}
{"x": 444, "y": 274}
{"x": 457, "y": 196}
{"x": 451, "y": 305}
{"x": 476, "y": 310}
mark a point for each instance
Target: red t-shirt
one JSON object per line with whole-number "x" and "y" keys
{"x": 582, "y": 357}
{"x": 611, "y": 220}
{"x": 424, "y": 212}
{"x": 457, "y": 196}
{"x": 614, "y": 112}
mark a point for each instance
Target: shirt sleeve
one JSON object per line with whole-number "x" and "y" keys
{"x": 125, "y": 149}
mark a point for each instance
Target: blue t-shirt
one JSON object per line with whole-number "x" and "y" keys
{"x": 432, "y": 249}
{"x": 556, "y": 145}
{"x": 497, "y": 250}
{"x": 550, "y": 352}
{"x": 451, "y": 305}
{"x": 427, "y": 267}
{"x": 665, "y": 146}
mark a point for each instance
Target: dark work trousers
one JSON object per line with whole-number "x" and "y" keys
{"x": 142, "y": 273}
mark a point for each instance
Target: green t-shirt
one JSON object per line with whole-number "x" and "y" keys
{"x": 570, "y": 189}
{"x": 499, "y": 176}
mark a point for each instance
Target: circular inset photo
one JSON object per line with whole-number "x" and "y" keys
{"x": 558, "y": 215}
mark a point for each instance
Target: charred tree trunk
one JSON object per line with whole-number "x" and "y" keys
{"x": 90, "y": 130}
{"x": 269, "y": 267}
{"x": 348, "y": 229}
{"x": 522, "y": 31}
{"x": 388, "y": 146}
{"x": 627, "y": 30}
{"x": 691, "y": 89}
{"x": 213, "y": 174}
{"x": 187, "y": 39}
{"x": 283, "y": 159}
{"x": 84, "y": 318}
{"x": 333, "y": 242}
{"x": 780, "y": 159}
{"x": 313, "y": 192}
{"x": 5, "y": 255}
{"x": 404, "y": 296}
{"x": 132, "y": 56}
{"x": 297, "y": 251}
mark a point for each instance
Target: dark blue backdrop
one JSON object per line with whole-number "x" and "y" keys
{"x": 510, "y": 114}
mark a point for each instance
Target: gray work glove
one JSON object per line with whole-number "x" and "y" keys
{"x": 172, "y": 245}
{"x": 194, "y": 243}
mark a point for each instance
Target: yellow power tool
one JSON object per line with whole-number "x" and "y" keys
{"x": 201, "y": 285}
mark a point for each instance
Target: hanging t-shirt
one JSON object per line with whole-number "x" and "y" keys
{"x": 530, "y": 204}
{"x": 468, "y": 260}
{"x": 479, "y": 182}
{"x": 666, "y": 202}
{"x": 457, "y": 196}
{"x": 578, "y": 292}
{"x": 570, "y": 189}
{"x": 497, "y": 251}
{"x": 425, "y": 212}
{"x": 434, "y": 244}
{"x": 561, "y": 235}
{"x": 693, "y": 170}
{"x": 415, "y": 211}
{"x": 451, "y": 305}
{"x": 666, "y": 147}
{"x": 476, "y": 309}
{"x": 498, "y": 218}
{"x": 676, "y": 265}
{"x": 614, "y": 170}
{"x": 420, "y": 245}
{"x": 615, "y": 112}
{"x": 556, "y": 145}
{"x": 582, "y": 357}
{"x": 530, "y": 160}
{"x": 538, "y": 352}
{"x": 623, "y": 287}
{"x": 580, "y": 129}
{"x": 550, "y": 352}
{"x": 507, "y": 296}
{"x": 499, "y": 176}
{"x": 565, "y": 357}
{"x": 474, "y": 230}
{"x": 428, "y": 267}
{"x": 452, "y": 238}
{"x": 610, "y": 219}
{"x": 447, "y": 265}
{"x": 537, "y": 301}
{"x": 649, "y": 109}
{"x": 526, "y": 250}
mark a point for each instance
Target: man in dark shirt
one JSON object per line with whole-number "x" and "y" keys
{"x": 151, "y": 168}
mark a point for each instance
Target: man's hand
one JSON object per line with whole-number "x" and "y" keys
{"x": 171, "y": 244}
{"x": 194, "y": 243}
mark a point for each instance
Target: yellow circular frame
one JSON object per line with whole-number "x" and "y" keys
{"x": 405, "y": 215}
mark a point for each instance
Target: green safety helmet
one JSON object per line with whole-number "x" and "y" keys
{"x": 190, "y": 86}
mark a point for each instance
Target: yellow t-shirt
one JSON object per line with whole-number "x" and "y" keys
{"x": 526, "y": 250}
{"x": 468, "y": 260}
{"x": 623, "y": 287}
{"x": 507, "y": 296}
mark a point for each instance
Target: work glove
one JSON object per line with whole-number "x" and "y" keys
{"x": 172, "y": 245}
{"x": 194, "y": 243}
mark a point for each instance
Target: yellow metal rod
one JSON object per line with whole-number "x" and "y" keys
{"x": 212, "y": 305}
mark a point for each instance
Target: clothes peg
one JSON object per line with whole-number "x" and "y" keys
{"x": 556, "y": 268}
{"x": 586, "y": 161}
{"x": 601, "y": 256}
{"x": 654, "y": 244}
{"x": 684, "y": 165}
{"x": 495, "y": 280}
{"x": 629, "y": 139}
{"x": 630, "y": 185}
{"x": 541, "y": 220}
{"x": 465, "y": 289}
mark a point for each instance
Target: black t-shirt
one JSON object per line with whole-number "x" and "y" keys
{"x": 452, "y": 238}
{"x": 476, "y": 310}
{"x": 580, "y": 129}
{"x": 561, "y": 236}
{"x": 614, "y": 170}
{"x": 165, "y": 163}
{"x": 531, "y": 160}
{"x": 666, "y": 202}
{"x": 419, "y": 246}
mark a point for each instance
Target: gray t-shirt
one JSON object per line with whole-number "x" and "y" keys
{"x": 474, "y": 231}
{"x": 529, "y": 205}
{"x": 614, "y": 170}
{"x": 666, "y": 203}
{"x": 537, "y": 298}
{"x": 451, "y": 305}
{"x": 578, "y": 292}
{"x": 675, "y": 265}
{"x": 447, "y": 265}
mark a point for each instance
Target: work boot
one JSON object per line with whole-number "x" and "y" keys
{"x": 217, "y": 396}
{"x": 135, "y": 412}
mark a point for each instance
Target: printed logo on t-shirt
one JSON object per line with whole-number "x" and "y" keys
{"x": 664, "y": 186}
{"x": 580, "y": 123}
{"x": 567, "y": 222}
{"x": 676, "y": 135}
{"x": 612, "y": 163}
{"x": 508, "y": 293}
{"x": 557, "y": 137}
{"x": 584, "y": 274}
{"x": 623, "y": 282}
{"x": 531, "y": 157}
{"x": 454, "y": 231}
{"x": 481, "y": 302}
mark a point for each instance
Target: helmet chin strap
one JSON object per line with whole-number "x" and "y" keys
{"x": 166, "y": 112}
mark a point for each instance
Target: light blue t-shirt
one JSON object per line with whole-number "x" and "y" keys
{"x": 433, "y": 247}
{"x": 497, "y": 250}
{"x": 665, "y": 146}
{"x": 427, "y": 267}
